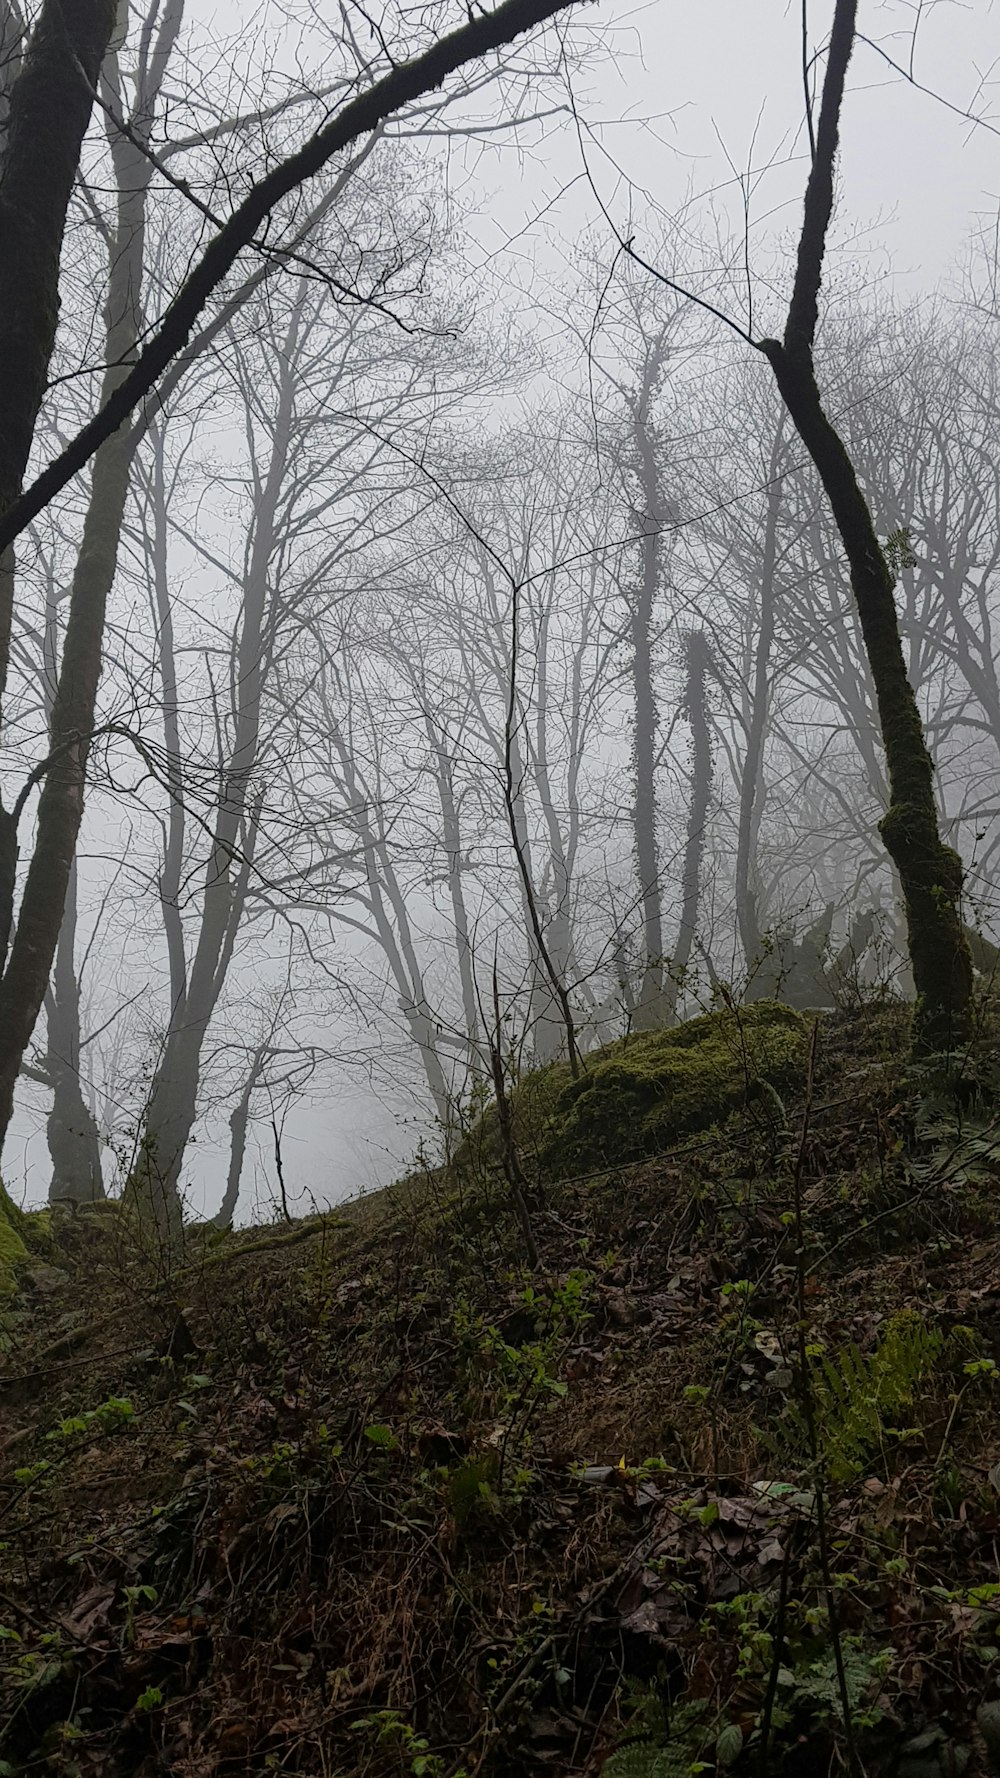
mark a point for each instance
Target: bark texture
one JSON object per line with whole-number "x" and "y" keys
{"x": 48, "y": 112}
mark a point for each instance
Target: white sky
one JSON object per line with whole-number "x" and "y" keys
{"x": 689, "y": 84}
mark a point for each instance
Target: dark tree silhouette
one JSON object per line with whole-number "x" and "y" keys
{"x": 930, "y": 873}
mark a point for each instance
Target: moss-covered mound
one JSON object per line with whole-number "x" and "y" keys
{"x": 23, "y": 1233}
{"x": 13, "y": 1247}
{"x": 648, "y": 1090}
{"x": 644, "y": 1093}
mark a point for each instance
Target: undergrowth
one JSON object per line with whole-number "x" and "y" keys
{"x": 712, "y": 1488}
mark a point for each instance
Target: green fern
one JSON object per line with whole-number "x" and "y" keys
{"x": 856, "y": 1397}
{"x": 648, "y": 1759}
{"x": 818, "y": 1688}
{"x": 658, "y": 1749}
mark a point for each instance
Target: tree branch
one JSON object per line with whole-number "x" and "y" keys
{"x": 403, "y": 84}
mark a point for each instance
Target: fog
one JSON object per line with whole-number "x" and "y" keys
{"x": 482, "y": 677}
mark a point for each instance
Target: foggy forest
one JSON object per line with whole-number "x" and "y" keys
{"x": 451, "y": 658}
{"x": 500, "y": 584}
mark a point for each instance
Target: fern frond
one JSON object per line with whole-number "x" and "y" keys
{"x": 648, "y": 1759}
{"x": 855, "y": 1396}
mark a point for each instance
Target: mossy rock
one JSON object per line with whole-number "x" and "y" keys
{"x": 23, "y": 1234}
{"x": 648, "y": 1091}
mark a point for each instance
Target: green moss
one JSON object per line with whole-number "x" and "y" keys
{"x": 648, "y": 1091}
{"x": 23, "y": 1234}
{"x": 13, "y": 1246}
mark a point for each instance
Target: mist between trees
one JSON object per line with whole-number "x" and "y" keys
{"x": 403, "y": 683}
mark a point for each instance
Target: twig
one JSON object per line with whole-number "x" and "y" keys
{"x": 286, "y": 1213}
{"x": 808, "y": 1405}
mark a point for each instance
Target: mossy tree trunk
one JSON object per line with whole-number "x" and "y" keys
{"x": 930, "y": 873}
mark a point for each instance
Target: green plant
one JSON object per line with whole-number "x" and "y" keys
{"x": 32, "y": 1472}
{"x": 855, "y": 1397}
{"x": 742, "y": 1614}
{"x": 115, "y": 1413}
{"x": 388, "y": 1728}
{"x": 134, "y": 1597}
{"x": 815, "y": 1686}
{"x": 661, "y": 1743}
{"x": 515, "y": 1382}
{"x": 382, "y": 1437}
{"x": 470, "y": 1489}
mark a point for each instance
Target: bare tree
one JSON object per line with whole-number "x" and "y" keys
{"x": 930, "y": 872}
{"x": 50, "y": 101}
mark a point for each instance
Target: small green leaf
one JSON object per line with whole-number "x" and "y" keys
{"x": 383, "y": 1437}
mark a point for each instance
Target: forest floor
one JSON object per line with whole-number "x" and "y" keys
{"x": 367, "y": 1495}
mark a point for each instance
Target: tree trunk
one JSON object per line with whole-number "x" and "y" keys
{"x": 751, "y": 783}
{"x": 239, "y": 1119}
{"x": 930, "y": 873}
{"x": 74, "y": 1141}
{"x": 60, "y": 808}
{"x": 48, "y": 111}
{"x": 648, "y": 1012}
{"x": 698, "y": 662}
{"x": 451, "y": 834}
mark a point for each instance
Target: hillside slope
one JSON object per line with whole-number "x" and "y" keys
{"x": 367, "y": 1496}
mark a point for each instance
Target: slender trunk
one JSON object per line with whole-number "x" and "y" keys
{"x": 930, "y": 872}
{"x": 171, "y": 868}
{"x": 387, "y": 905}
{"x": 513, "y": 778}
{"x": 540, "y": 994}
{"x": 74, "y": 1141}
{"x": 549, "y": 1030}
{"x": 239, "y": 1119}
{"x": 644, "y": 811}
{"x": 751, "y": 783}
{"x": 698, "y": 663}
{"x": 452, "y": 836}
{"x": 397, "y": 943}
